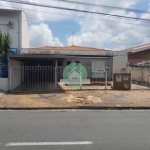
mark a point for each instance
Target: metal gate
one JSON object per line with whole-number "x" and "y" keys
{"x": 33, "y": 78}
{"x": 95, "y": 82}
{"x": 47, "y": 78}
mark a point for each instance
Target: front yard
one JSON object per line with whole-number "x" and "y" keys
{"x": 78, "y": 98}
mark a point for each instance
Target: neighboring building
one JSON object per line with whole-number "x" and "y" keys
{"x": 136, "y": 56}
{"x": 15, "y": 23}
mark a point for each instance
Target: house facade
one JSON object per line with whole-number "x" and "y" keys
{"x": 42, "y": 68}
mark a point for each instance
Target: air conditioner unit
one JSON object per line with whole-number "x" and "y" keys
{"x": 11, "y": 24}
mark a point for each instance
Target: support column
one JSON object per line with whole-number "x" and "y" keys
{"x": 56, "y": 74}
{"x": 9, "y": 74}
{"x": 106, "y": 75}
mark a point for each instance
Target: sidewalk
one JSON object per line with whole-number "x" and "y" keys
{"x": 92, "y": 98}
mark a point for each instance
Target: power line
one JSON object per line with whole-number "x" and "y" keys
{"x": 89, "y": 18}
{"x": 105, "y": 6}
{"x": 76, "y": 10}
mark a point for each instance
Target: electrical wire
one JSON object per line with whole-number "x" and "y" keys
{"x": 78, "y": 17}
{"x": 105, "y": 6}
{"x": 76, "y": 10}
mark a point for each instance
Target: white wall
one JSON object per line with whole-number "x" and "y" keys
{"x": 119, "y": 62}
{"x": 20, "y": 31}
{"x": 24, "y": 31}
{"x": 15, "y": 74}
{"x": 4, "y": 84}
{"x": 5, "y": 17}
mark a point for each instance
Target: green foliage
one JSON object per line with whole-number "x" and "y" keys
{"x": 5, "y": 44}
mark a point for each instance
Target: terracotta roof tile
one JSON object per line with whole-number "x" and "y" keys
{"x": 136, "y": 48}
{"x": 73, "y": 47}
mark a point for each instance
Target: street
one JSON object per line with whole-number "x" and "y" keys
{"x": 75, "y": 130}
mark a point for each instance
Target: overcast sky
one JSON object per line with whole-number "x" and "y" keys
{"x": 55, "y": 27}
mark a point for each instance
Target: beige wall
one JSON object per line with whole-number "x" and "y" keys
{"x": 119, "y": 62}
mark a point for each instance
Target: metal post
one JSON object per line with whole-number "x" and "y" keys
{"x": 9, "y": 75}
{"x": 106, "y": 77}
{"x": 149, "y": 79}
{"x": 56, "y": 74}
{"x": 10, "y": 78}
{"x": 131, "y": 78}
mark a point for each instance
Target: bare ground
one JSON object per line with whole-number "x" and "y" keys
{"x": 77, "y": 98}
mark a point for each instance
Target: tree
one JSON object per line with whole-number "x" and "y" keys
{"x": 5, "y": 44}
{"x": 7, "y": 41}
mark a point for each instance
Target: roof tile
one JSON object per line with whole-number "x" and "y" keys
{"x": 73, "y": 48}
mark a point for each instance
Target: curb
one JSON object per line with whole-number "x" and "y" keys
{"x": 78, "y": 107}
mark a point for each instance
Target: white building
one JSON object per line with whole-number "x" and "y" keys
{"x": 15, "y": 23}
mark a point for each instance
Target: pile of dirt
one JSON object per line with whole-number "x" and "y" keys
{"x": 82, "y": 100}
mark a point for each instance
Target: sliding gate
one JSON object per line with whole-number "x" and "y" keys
{"x": 33, "y": 78}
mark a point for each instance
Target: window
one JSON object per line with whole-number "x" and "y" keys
{"x": 77, "y": 62}
{"x": 59, "y": 63}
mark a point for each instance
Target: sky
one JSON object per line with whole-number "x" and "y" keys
{"x": 55, "y": 27}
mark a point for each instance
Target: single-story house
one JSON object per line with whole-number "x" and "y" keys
{"x": 34, "y": 67}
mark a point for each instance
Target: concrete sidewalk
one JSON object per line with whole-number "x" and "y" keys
{"x": 76, "y": 99}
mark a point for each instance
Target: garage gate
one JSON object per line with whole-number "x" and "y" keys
{"x": 34, "y": 78}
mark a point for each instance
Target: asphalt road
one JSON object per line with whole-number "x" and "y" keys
{"x": 75, "y": 130}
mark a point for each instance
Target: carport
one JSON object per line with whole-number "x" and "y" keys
{"x": 33, "y": 72}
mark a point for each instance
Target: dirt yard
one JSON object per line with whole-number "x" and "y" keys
{"x": 78, "y": 98}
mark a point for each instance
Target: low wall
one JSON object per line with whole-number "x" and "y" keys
{"x": 4, "y": 84}
{"x": 141, "y": 74}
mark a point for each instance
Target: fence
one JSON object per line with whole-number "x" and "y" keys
{"x": 32, "y": 78}
{"x": 48, "y": 78}
{"x": 3, "y": 67}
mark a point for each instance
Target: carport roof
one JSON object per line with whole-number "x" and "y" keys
{"x": 52, "y": 56}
